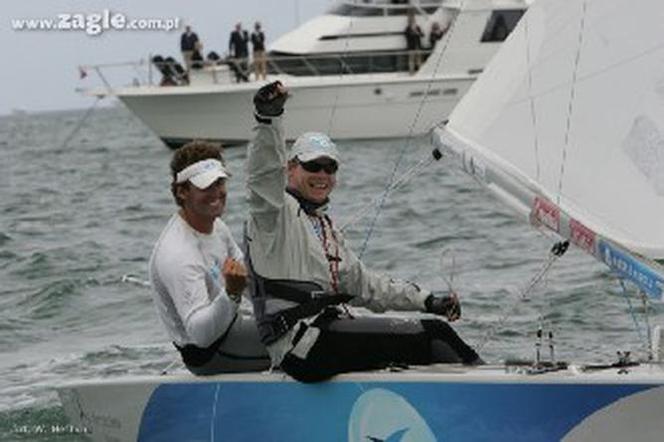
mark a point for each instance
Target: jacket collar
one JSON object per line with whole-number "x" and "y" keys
{"x": 309, "y": 207}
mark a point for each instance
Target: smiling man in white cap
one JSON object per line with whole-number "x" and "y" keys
{"x": 312, "y": 167}
{"x": 303, "y": 272}
{"x": 197, "y": 273}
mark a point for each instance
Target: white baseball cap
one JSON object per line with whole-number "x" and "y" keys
{"x": 203, "y": 173}
{"x": 312, "y": 145}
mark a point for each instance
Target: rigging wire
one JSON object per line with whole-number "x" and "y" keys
{"x": 415, "y": 170}
{"x": 570, "y": 105}
{"x": 383, "y": 198}
{"x": 556, "y": 252}
{"x": 646, "y": 309}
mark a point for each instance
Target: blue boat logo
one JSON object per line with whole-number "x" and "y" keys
{"x": 397, "y": 436}
{"x": 380, "y": 415}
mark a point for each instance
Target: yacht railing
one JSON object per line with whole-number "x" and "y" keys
{"x": 344, "y": 64}
{"x": 224, "y": 70}
{"x": 141, "y": 68}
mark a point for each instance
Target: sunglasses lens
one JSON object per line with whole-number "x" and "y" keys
{"x": 330, "y": 168}
{"x": 315, "y": 167}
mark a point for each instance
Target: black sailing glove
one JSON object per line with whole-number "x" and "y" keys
{"x": 447, "y": 306}
{"x": 269, "y": 101}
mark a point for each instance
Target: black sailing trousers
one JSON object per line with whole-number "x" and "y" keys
{"x": 375, "y": 342}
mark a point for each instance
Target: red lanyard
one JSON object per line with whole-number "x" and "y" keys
{"x": 332, "y": 259}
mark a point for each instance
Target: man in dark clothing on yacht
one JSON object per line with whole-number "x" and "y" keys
{"x": 238, "y": 47}
{"x": 188, "y": 42}
{"x": 413, "y": 34}
{"x": 258, "y": 42}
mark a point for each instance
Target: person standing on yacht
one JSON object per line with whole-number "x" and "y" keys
{"x": 413, "y": 34}
{"x": 188, "y": 41}
{"x": 258, "y": 43}
{"x": 303, "y": 272}
{"x": 436, "y": 34}
{"x": 197, "y": 273}
{"x": 238, "y": 47}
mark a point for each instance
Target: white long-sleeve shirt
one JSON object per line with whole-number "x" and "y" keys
{"x": 189, "y": 293}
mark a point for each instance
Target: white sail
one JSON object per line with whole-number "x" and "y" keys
{"x": 567, "y": 123}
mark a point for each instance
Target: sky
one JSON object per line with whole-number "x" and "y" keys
{"x": 40, "y": 70}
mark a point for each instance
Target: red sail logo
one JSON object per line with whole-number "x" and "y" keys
{"x": 582, "y": 236}
{"x": 546, "y": 213}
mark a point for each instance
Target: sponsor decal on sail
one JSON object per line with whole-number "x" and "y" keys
{"x": 545, "y": 213}
{"x": 628, "y": 267}
{"x": 582, "y": 236}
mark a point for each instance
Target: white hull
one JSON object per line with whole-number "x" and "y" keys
{"x": 348, "y": 71}
{"x": 370, "y": 107}
{"x": 434, "y": 403}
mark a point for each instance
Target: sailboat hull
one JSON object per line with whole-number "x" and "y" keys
{"x": 449, "y": 403}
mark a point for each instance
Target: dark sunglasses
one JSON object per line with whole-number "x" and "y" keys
{"x": 330, "y": 167}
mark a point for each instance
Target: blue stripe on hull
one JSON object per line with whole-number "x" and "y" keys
{"x": 373, "y": 411}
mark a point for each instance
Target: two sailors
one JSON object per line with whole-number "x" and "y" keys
{"x": 302, "y": 272}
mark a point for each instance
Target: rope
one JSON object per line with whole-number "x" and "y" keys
{"x": 165, "y": 371}
{"x": 79, "y": 125}
{"x": 637, "y": 326}
{"x": 383, "y": 197}
{"x": 449, "y": 281}
{"x": 557, "y": 251}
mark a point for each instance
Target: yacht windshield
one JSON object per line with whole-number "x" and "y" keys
{"x": 500, "y": 24}
{"x": 367, "y": 8}
{"x": 356, "y": 10}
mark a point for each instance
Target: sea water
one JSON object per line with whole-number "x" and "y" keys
{"x": 79, "y": 219}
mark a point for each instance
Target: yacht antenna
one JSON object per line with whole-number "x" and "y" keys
{"x": 296, "y": 4}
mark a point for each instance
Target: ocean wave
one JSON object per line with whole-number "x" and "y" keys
{"x": 50, "y": 300}
{"x": 4, "y": 238}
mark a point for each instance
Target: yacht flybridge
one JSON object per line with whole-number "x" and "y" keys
{"x": 347, "y": 71}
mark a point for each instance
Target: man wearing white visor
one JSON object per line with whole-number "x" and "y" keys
{"x": 303, "y": 272}
{"x": 197, "y": 272}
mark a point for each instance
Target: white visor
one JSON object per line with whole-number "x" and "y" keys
{"x": 203, "y": 173}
